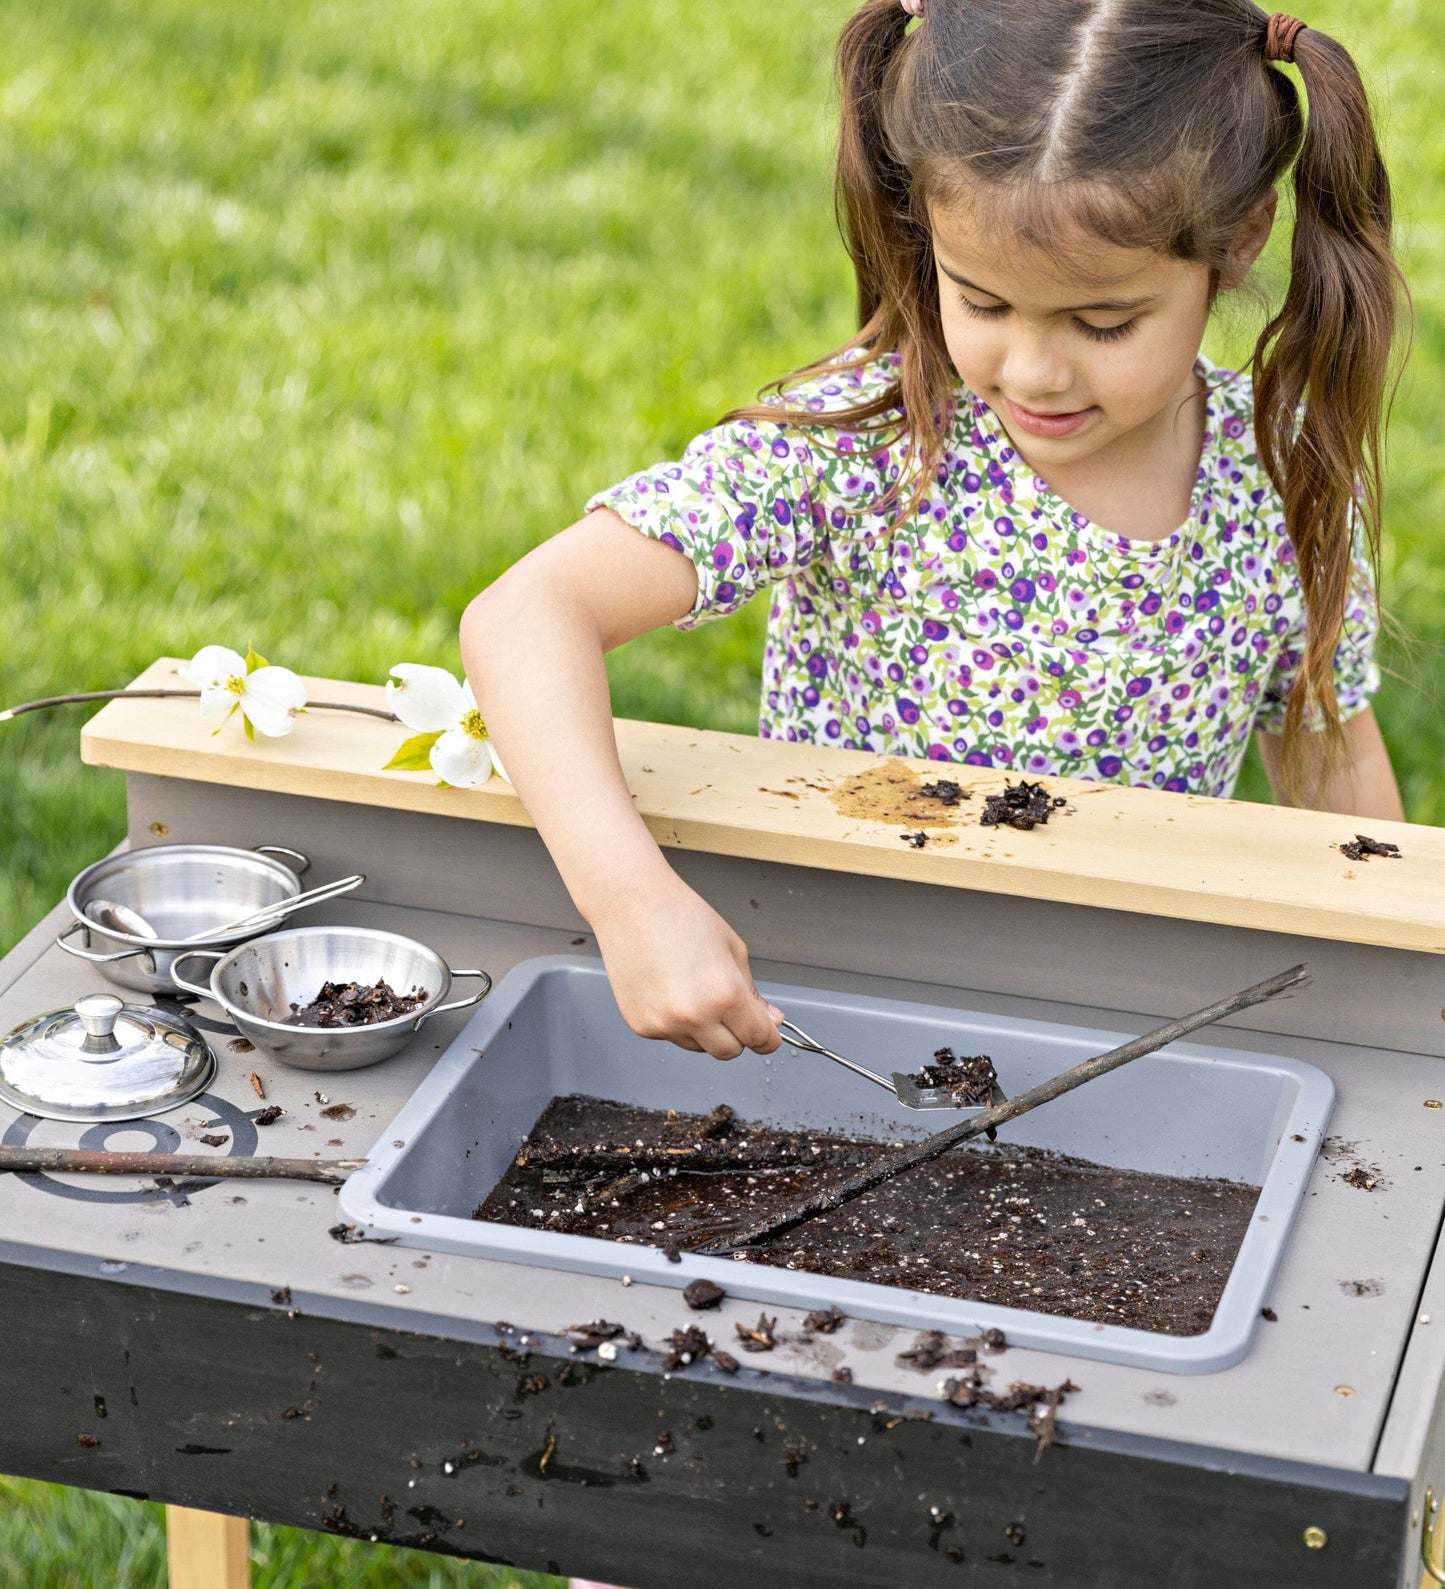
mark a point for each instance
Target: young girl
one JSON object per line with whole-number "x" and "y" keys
{"x": 1018, "y": 521}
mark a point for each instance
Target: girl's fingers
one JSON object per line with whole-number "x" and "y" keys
{"x": 720, "y": 1041}
{"x": 913, "y": 7}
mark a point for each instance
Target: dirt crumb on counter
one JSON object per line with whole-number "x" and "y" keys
{"x": 354, "y": 1004}
{"x": 1361, "y": 848}
{"x": 999, "y": 1223}
{"x": 701, "y": 1294}
{"x": 268, "y": 1116}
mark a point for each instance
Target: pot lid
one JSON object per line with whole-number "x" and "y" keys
{"x": 103, "y": 1060}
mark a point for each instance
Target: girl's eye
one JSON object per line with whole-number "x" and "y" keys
{"x": 1105, "y": 333}
{"x": 978, "y": 309}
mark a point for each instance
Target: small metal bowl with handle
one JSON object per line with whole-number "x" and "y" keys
{"x": 259, "y": 983}
{"x": 179, "y": 890}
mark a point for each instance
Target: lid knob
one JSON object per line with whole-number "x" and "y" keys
{"x": 98, "y": 1014}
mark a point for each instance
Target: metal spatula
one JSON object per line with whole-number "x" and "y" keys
{"x": 902, "y": 1086}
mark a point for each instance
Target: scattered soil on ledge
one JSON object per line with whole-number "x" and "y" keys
{"x": 999, "y": 1223}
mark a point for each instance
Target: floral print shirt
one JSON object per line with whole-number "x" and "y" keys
{"x": 994, "y": 625}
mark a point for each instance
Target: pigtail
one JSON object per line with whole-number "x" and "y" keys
{"x": 885, "y": 228}
{"x": 1329, "y": 347}
{"x": 872, "y": 190}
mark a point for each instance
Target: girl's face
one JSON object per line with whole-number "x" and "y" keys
{"x": 1072, "y": 358}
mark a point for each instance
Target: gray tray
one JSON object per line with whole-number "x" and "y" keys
{"x": 552, "y": 1027}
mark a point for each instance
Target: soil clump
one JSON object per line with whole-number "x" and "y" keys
{"x": 352, "y": 1004}
{"x": 969, "y": 1080}
{"x": 1361, "y": 848}
{"x": 1021, "y": 805}
{"x": 1000, "y": 1223}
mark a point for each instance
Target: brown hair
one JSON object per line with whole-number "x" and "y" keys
{"x": 1149, "y": 123}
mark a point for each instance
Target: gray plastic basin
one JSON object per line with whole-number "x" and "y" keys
{"x": 552, "y": 1027}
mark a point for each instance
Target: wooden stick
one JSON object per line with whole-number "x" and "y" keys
{"x": 179, "y": 695}
{"x": 931, "y": 1147}
{"x": 206, "y": 1166}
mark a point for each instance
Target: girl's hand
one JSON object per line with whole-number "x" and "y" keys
{"x": 680, "y": 973}
{"x": 913, "y": 7}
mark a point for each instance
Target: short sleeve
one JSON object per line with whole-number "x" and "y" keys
{"x": 744, "y": 502}
{"x": 1357, "y": 674}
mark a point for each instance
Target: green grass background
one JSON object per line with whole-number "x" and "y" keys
{"x": 315, "y": 314}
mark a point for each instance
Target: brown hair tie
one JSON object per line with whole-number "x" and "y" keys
{"x": 1280, "y": 35}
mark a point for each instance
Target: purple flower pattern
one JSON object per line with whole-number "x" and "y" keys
{"x": 994, "y": 625}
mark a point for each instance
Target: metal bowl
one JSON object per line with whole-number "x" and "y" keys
{"x": 181, "y": 889}
{"x": 257, "y": 983}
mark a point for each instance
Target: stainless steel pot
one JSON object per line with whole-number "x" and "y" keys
{"x": 180, "y": 889}
{"x": 257, "y": 984}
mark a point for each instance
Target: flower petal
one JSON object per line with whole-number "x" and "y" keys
{"x": 497, "y": 766}
{"x": 213, "y": 665}
{"x": 272, "y": 698}
{"x": 459, "y": 759}
{"x": 217, "y": 702}
{"x": 426, "y": 699}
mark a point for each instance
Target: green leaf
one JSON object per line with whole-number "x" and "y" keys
{"x": 249, "y": 727}
{"x": 254, "y": 660}
{"x": 414, "y": 754}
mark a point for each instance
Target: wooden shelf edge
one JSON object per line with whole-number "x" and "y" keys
{"x": 1229, "y": 862}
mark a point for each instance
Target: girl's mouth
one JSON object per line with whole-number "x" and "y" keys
{"x": 1048, "y": 424}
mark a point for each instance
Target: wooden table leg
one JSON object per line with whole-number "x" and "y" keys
{"x": 207, "y": 1550}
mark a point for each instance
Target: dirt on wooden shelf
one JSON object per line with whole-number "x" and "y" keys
{"x": 1000, "y": 1223}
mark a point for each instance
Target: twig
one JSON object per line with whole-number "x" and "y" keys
{"x": 183, "y": 695}
{"x": 331, "y": 1172}
{"x": 931, "y": 1147}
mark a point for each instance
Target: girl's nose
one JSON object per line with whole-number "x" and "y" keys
{"x": 1034, "y": 367}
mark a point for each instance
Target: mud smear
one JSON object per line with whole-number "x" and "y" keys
{"x": 893, "y": 792}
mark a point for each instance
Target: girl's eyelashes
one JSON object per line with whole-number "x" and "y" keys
{"x": 1106, "y": 333}
{"x": 978, "y": 309}
{"x": 1094, "y": 333}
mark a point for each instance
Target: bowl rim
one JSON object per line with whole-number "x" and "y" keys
{"x": 397, "y": 1021}
{"x": 119, "y": 859}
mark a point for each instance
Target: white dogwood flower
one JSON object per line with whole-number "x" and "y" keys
{"x": 268, "y": 697}
{"x": 451, "y": 737}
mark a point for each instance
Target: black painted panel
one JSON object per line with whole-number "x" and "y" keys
{"x": 776, "y": 1481}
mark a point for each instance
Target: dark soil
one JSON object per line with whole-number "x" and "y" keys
{"x": 1012, "y": 1225}
{"x": 969, "y": 1080}
{"x": 351, "y": 1004}
{"x": 945, "y": 791}
{"x": 1361, "y": 848}
{"x": 1022, "y": 805}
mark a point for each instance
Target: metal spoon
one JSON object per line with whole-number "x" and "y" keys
{"x": 119, "y": 918}
{"x": 902, "y": 1086}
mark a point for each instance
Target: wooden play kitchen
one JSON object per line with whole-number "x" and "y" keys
{"x": 372, "y": 1360}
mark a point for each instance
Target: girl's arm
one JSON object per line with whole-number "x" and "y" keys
{"x": 533, "y": 645}
{"x": 1363, "y": 785}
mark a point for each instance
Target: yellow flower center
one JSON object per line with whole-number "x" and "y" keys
{"x": 472, "y": 724}
{"x": 236, "y": 684}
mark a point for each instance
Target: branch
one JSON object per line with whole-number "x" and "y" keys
{"x": 187, "y": 695}
{"x": 68, "y": 1161}
{"x": 891, "y": 1164}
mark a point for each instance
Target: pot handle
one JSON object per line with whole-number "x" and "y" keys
{"x": 90, "y": 954}
{"x": 280, "y": 849}
{"x": 458, "y": 1004}
{"x": 194, "y": 954}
